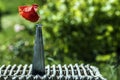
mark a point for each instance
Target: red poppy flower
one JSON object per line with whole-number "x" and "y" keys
{"x": 29, "y": 12}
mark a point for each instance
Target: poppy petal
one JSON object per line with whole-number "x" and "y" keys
{"x": 29, "y": 12}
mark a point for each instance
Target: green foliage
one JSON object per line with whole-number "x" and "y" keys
{"x": 78, "y": 29}
{"x": 1, "y": 7}
{"x": 74, "y": 31}
{"x": 12, "y": 5}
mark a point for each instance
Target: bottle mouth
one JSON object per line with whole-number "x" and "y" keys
{"x": 38, "y": 25}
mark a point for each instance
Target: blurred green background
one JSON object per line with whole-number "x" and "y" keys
{"x": 74, "y": 31}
